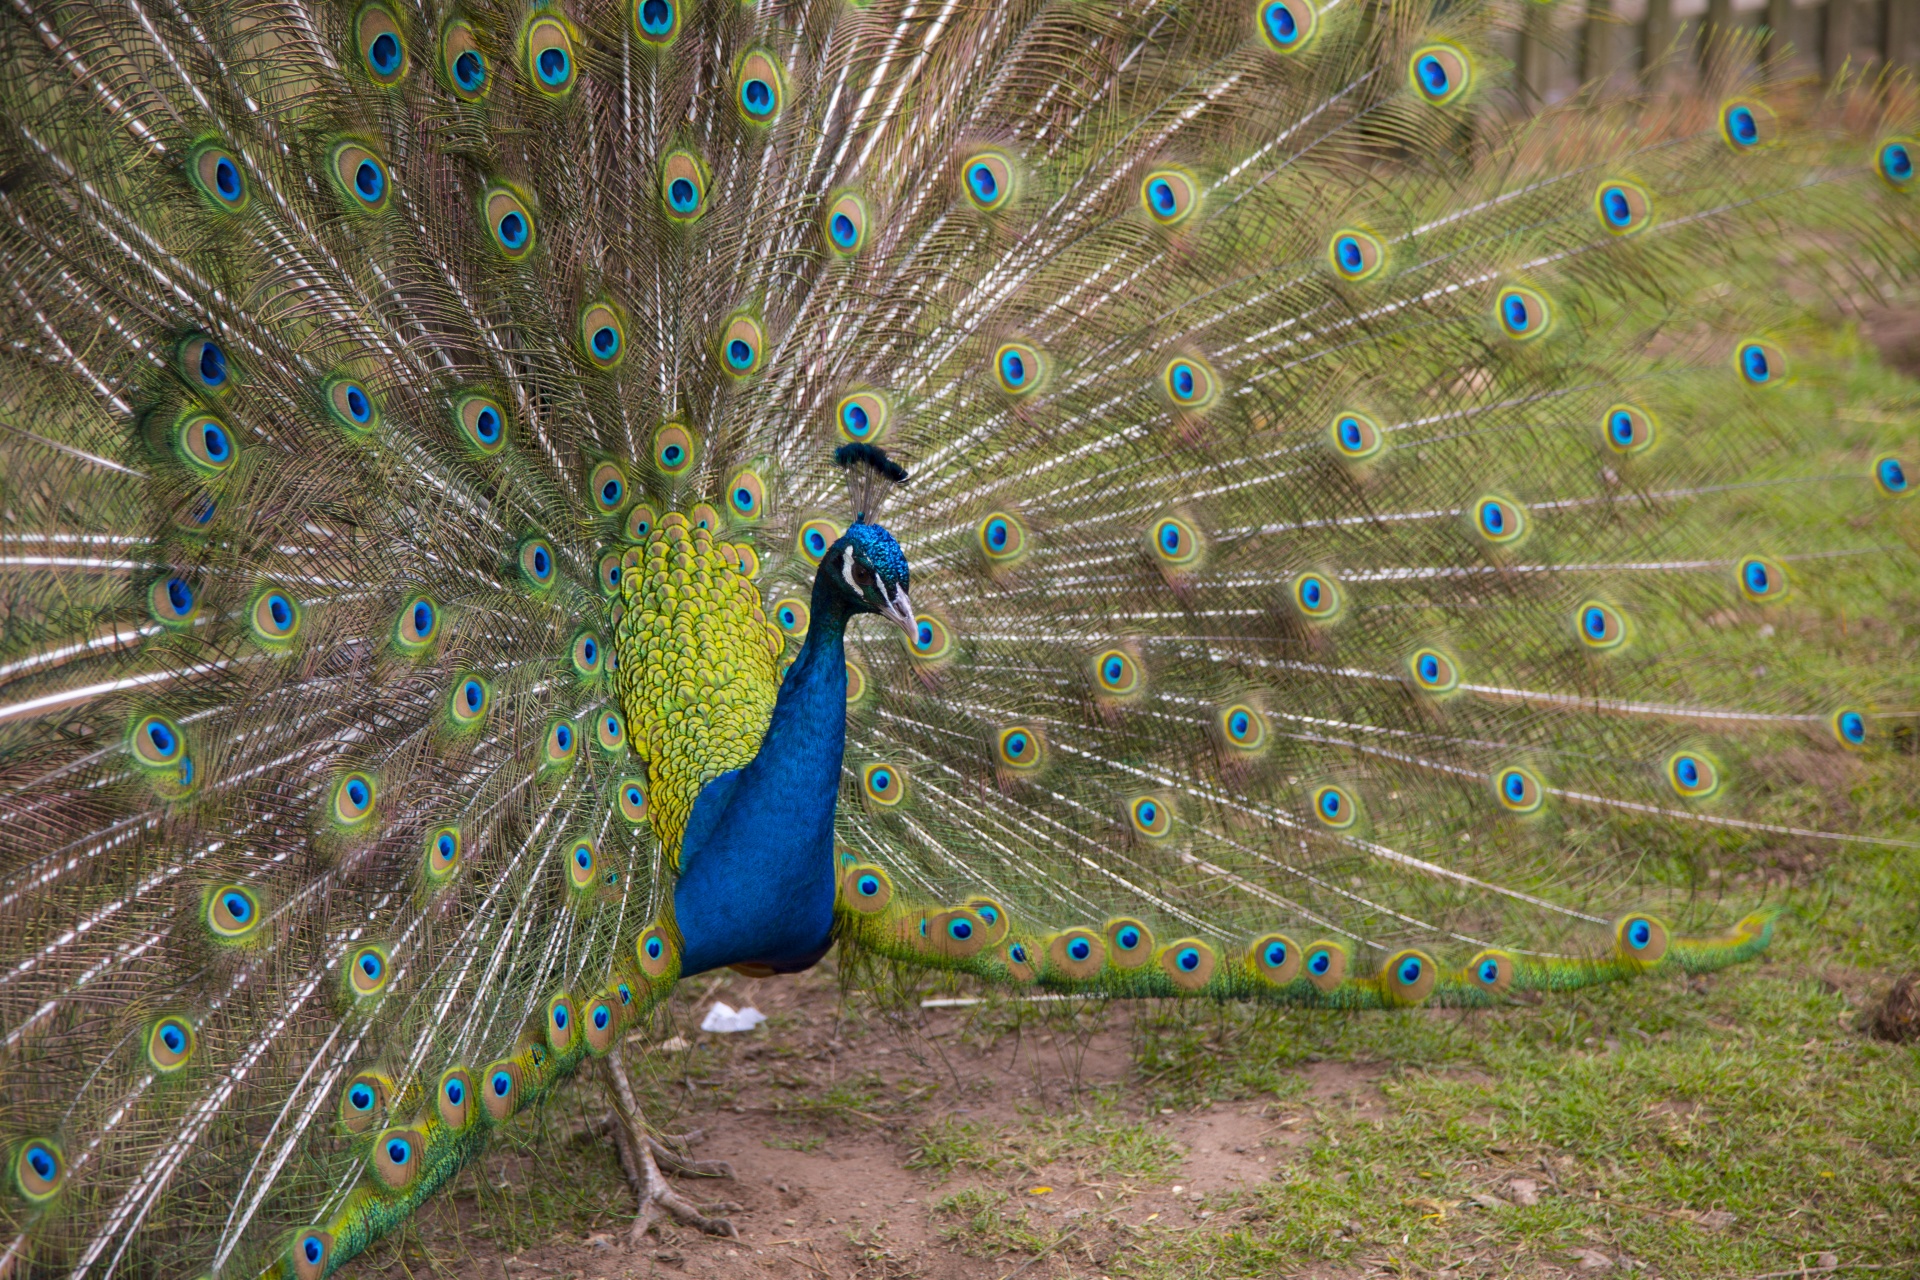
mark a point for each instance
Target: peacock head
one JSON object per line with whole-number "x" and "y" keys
{"x": 868, "y": 570}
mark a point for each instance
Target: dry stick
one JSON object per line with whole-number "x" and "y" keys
{"x": 1804, "y": 1273}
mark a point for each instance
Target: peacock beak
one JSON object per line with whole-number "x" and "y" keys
{"x": 899, "y": 609}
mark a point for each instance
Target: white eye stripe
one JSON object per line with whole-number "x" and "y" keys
{"x": 846, "y": 566}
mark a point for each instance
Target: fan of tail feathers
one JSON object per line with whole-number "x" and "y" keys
{"x": 1356, "y": 560}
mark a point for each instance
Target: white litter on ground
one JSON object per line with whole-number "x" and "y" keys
{"x": 724, "y": 1017}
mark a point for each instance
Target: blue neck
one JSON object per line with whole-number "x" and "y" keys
{"x": 757, "y": 875}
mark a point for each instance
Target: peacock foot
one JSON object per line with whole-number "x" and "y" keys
{"x": 642, "y": 1155}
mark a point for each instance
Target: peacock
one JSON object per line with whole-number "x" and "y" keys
{"x": 509, "y": 504}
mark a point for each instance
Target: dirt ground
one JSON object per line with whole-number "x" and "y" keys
{"x": 827, "y": 1191}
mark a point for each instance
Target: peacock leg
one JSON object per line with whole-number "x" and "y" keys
{"x": 641, "y": 1155}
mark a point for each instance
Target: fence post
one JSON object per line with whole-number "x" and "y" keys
{"x": 1896, "y": 33}
{"x": 1656, "y": 36}
{"x": 1596, "y": 43}
{"x": 1836, "y": 46}
{"x": 1774, "y": 47}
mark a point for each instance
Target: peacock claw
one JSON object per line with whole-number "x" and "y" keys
{"x": 641, "y": 1155}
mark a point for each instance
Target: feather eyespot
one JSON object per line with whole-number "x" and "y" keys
{"x": 1325, "y": 965}
{"x": 508, "y": 220}
{"x": 170, "y": 1043}
{"x": 361, "y": 176}
{"x": 1600, "y": 625}
{"x": 1641, "y": 939}
{"x": 1629, "y": 429}
{"x": 1243, "y": 727}
{"x": 1276, "y": 958}
{"x": 631, "y": 795}
{"x": 1440, "y": 73}
{"x": 1117, "y": 673}
{"x": 1002, "y": 538}
{"x": 1624, "y": 208}
{"x": 561, "y": 743}
{"x": 865, "y": 888}
{"x": 609, "y": 570}
{"x": 1288, "y": 26}
{"x": 173, "y": 601}
{"x": 1355, "y": 435}
{"x": 383, "y": 47}
{"x": 1692, "y": 775}
{"x": 552, "y": 67}
{"x": 1498, "y": 520}
{"x": 536, "y": 563}
{"x": 1849, "y": 727}
{"x": 581, "y": 863}
{"x": 1169, "y": 196}
{"x": 673, "y": 450}
{"x": 469, "y": 701}
{"x": 610, "y": 732}
{"x": 1150, "y": 817}
{"x": 482, "y": 421}
{"x": 683, "y": 186}
{"x": 702, "y": 515}
{"x": 1176, "y": 544}
{"x": 1761, "y": 363}
{"x": 1408, "y": 977}
{"x": 1356, "y": 255}
{"x": 1189, "y": 963}
{"x": 1761, "y": 579}
{"x": 656, "y": 22}
{"x": 987, "y": 178}
{"x": 561, "y": 1023}
{"x": 640, "y": 523}
{"x": 931, "y": 641}
{"x": 1129, "y": 943}
{"x": 464, "y": 63}
{"x": 1524, "y": 313}
{"x": 791, "y": 616}
{"x": 861, "y": 417}
{"x": 883, "y": 784}
{"x": 454, "y": 1098}
{"x": 215, "y": 172}
{"x": 1519, "y": 790}
{"x": 1433, "y": 671}
{"x": 1747, "y": 125}
{"x": 1020, "y": 748}
{"x": 157, "y": 742}
{"x": 442, "y": 853}
{"x": 1189, "y": 383}
{"x": 1335, "y": 807}
{"x": 203, "y": 363}
{"x": 607, "y": 488}
{"x": 417, "y": 626}
{"x": 846, "y": 224}
{"x": 205, "y": 443}
{"x": 350, "y": 404}
{"x": 233, "y": 912}
{"x": 1019, "y": 368}
{"x": 603, "y": 335}
{"x": 603, "y": 1022}
{"x": 587, "y": 654}
{"x": 500, "y": 1089}
{"x": 1892, "y": 476}
{"x": 274, "y": 618}
{"x": 760, "y": 87}
{"x": 39, "y": 1170}
{"x": 654, "y": 950}
{"x": 397, "y": 1158}
{"x": 746, "y": 497}
{"x": 814, "y": 538}
{"x": 1491, "y": 971}
{"x": 1318, "y": 596}
{"x": 1893, "y": 161}
{"x": 1077, "y": 953}
{"x": 367, "y": 971}
{"x": 743, "y": 347}
{"x": 353, "y": 800}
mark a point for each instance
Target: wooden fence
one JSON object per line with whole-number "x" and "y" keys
{"x": 1562, "y": 45}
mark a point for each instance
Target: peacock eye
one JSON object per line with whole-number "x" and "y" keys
{"x": 863, "y": 577}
